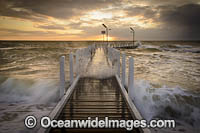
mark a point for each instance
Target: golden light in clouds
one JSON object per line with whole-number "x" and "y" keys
{"x": 99, "y": 15}
{"x": 50, "y": 28}
{"x": 92, "y": 19}
{"x": 82, "y": 19}
{"x": 17, "y": 24}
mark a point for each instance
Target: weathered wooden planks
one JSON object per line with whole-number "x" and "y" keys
{"x": 95, "y": 98}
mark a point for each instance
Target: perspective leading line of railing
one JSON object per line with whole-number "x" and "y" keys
{"x": 112, "y": 52}
{"x": 114, "y": 55}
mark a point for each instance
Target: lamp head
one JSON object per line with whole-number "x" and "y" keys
{"x": 104, "y": 26}
{"x": 132, "y": 29}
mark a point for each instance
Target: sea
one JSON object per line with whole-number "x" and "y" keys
{"x": 166, "y": 86}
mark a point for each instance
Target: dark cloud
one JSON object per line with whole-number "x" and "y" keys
{"x": 7, "y": 8}
{"x": 181, "y": 22}
{"x": 145, "y": 11}
{"x": 162, "y": 2}
{"x": 54, "y": 8}
{"x": 184, "y": 19}
{"x": 178, "y": 19}
{"x": 186, "y": 15}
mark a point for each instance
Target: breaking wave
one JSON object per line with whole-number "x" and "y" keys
{"x": 29, "y": 91}
{"x": 167, "y": 103}
{"x": 168, "y": 47}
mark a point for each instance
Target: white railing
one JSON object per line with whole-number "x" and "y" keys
{"x": 82, "y": 57}
{"x": 62, "y": 76}
{"x": 85, "y": 54}
{"x": 114, "y": 55}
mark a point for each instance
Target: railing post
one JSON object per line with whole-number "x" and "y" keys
{"x": 131, "y": 78}
{"x": 62, "y": 76}
{"x": 77, "y": 63}
{"x": 123, "y": 69}
{"x": 118, "y": 63}
{"x": 71, "y": 61}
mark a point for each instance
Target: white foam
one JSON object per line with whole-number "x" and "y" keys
{"x": 29, "y": 91}
{"x": 167, "y": 103}
{"x": 95, "y": 63}
{"x": 20, "y": 98}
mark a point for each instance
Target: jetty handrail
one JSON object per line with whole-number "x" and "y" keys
{"x": 57, "y": 110}
{"x": 62, "y": 76}
{"x": 134, "y": 112}
{"x": 64, "y": 94}
{"x": 126, "y": 93}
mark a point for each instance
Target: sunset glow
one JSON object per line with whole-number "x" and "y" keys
{"x": 100, "y": 15}
{"x": 82, "y": 20}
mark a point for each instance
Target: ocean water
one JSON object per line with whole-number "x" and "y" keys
{"x": 167, "y": 81}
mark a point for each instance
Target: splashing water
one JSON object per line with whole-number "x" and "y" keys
{"x": 95, "y": 63}
{"x": 19, "y": 98}
{"x": 162, "y": 70}
{"x": 28, "y": 91}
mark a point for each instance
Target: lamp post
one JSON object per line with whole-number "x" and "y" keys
{"x": 133, "y": 31}
{"x": 106, "y": 31}
{"x": 103, "y": 32}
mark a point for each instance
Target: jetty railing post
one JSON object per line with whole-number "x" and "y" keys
{"x": 77, "y": 62}
{"x": 62, "y": 76}
{"x": 118, "y": 63}
{"x": 71, "y": 61}
{"x": 131, "y": 78}
{"x": 123, "y": 69}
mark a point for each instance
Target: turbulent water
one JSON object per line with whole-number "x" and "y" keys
{"x": 167, "y": 81}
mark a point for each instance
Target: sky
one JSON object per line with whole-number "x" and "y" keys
{"x": 83, "y": 19}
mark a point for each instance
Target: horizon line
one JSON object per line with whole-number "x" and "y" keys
{"x": 99, "y": 40}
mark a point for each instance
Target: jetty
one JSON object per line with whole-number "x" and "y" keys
{"x": 97, "y": 89}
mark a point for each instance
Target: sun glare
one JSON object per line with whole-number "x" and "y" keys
{"x": 100, "y": 15}
{"x": 100, "y": 38}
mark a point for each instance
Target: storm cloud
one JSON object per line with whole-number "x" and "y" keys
{"x": 54, "y": 8}
{"x": 152, "y": 20}
{"x": 185, "y": 19}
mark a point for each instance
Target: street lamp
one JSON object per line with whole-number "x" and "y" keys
{"x": 133, "y": 31}
{"x": 103, "y": 32}
{"x": 106, "y": 31}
